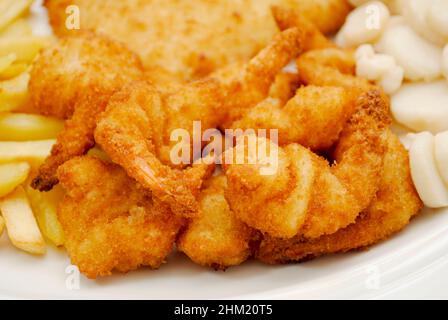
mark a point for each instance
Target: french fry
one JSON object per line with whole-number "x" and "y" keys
{"x": 18, "y": 28}
{"x": 21, "y": 224}
{"x": 14, "y": 92}
{"x": 13, "y": 71}
{"x": 10, "y": 10}
{"x": 26, "y": 127}
{"x": 12, "y": 175}
{"x": 2, "y": 225}
{"x": 44, "y": 206}
{"x": 33, "y": 151}
{"x": 25, "y": 48}
{"x": 7, "y": 61}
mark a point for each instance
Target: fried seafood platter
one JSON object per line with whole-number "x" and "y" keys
{"x": 227, "y": 131}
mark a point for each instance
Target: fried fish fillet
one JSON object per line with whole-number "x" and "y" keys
{"x": 216, "y": 238}
{"x": 110, "y": 222}
{"x": 186, "y": 40}
{"x": 396, "y": 203}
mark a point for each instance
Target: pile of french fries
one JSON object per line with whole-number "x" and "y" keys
{"x": 28, "y": 216}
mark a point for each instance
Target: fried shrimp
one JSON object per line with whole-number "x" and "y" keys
{"x": 306, "y": 196}
{"x": 136, "y": 128}
{"x": 287, "y": 18}
{"x": 327, "y": 15}
{"x": 188, "y": 40}
{"x": 135, "y": 133}
{"x": 331, "y": 67}
{"x": 314, "y": 118}
{"x": 110, "y": 222}
{"x": 216, "y": 238}
{"x": 74, "y": 80}
{"x": 253, "y": 84}
{"x": 395, "y": 205}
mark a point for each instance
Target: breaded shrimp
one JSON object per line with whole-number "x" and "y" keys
{"x": 74, "y": 80}
{"x": 137, "y": 126}
{"x": 314, "y": 118}
{"x": 287, "y": 18}
{"x": 396, "y": 203}
{"x": 110, "y": 222}
{"x": 305, "y": 195}
{"x": 327, "y": 15}
{"x": 135, "y": 132}
{"x": 253, "y": 84}
{"x": 331, "y": 67}
{"x": 284, "y": 87}
{"x": 216, "y": 238}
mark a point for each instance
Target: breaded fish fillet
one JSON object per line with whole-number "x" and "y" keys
{"x": 396, "y": 203}
{"x": 110, "y": 222}
{"x": 186, "y": 40}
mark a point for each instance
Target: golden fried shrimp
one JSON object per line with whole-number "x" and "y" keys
{"x": 313, "y": 38}
{"x": 188, "y": 40}
{"x": 284, "y": 87}
{"x": 74, "y": 80}
{"x": 305, "y": 195}
{"x": 327, "y": 15}
{"x": 216, "y": 238}
{"x": 253, "y": 84}
{"x": 135, "y": 132}
{"x": 331, "y": 67}
{"x": 110, "y": 222}
{"x": 395, "y": 204}
{"x": 314, "y": 118}
{"x": 136, "y": 128}
{"x": 179, "y": 40}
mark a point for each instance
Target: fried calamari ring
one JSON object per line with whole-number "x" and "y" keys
{"x": 74, "y": 80}
{"x": 304, "y": 195}
{"x": 216, "y": 238}
{"x": 395, "y": 205}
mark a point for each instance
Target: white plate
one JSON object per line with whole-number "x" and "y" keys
{"x": 413, "y": 264}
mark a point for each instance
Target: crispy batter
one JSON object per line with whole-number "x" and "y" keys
{"x": 216, "y": 238}
{"x": 136, "y": 128}
{"x": 254, "y": 83}
{"x": 177, "y": 40}
{"x": 187, "y": 40}
{"x": 287, "y": 18}
{"x": 135, "y": 131}
{"x": 327, "y": 15}
{"x": 74, "y": 80}
{"x": 305, "y": 195}
{"x": 284, "y": 86}
{"x": 331, "y": 67}
{"x": 110, "y": 222}
{"x": 396, "y": 203}
{"x": 314, "y": 118}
